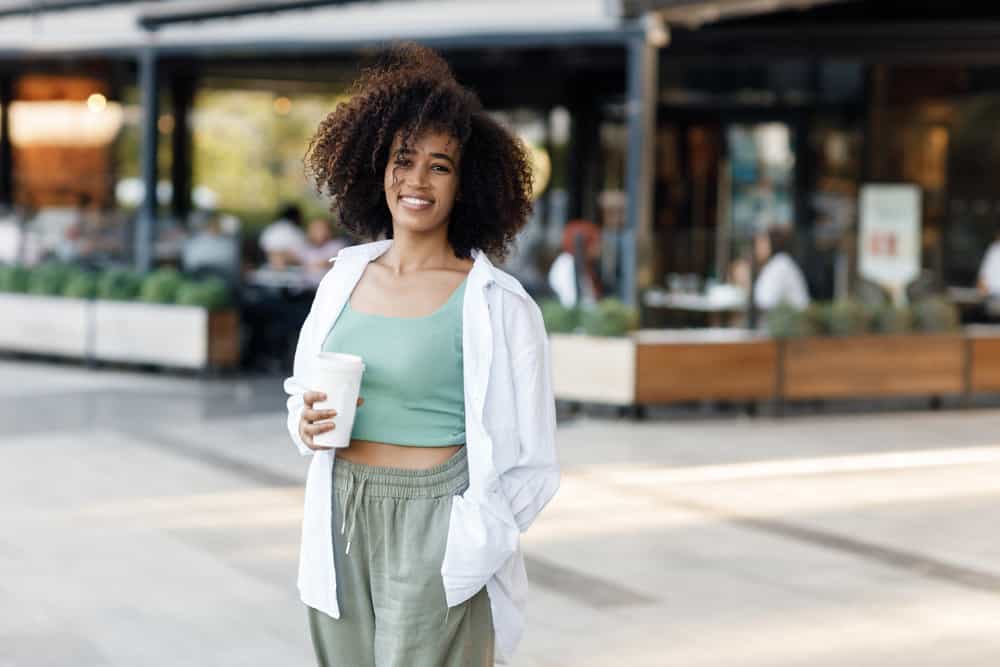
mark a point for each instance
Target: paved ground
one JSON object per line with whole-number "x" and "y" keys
{"x": 153, "y": 520}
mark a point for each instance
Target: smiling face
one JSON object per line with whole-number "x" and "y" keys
{"x": 422, "y": 181}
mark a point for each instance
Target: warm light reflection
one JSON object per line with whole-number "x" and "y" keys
{"x": 541, "y": 169}
{"x": 282, "y": 106}
{"x": 63, "y": 123}
{"x": 165, "y": 124}
{"x": 97, "y": 102}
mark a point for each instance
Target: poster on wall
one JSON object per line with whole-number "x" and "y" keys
{"x": 762, "y": 165}
{"x": 889, "y": 235}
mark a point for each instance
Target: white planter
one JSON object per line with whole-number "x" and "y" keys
{"x": 593, "y": 369}
{"x": 45, "y": 325}
{"x": 165, "y": 335}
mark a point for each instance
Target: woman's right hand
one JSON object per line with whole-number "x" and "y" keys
{"x": 314, "y": 422}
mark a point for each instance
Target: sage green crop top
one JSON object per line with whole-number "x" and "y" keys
{"x": 413, "y": 386}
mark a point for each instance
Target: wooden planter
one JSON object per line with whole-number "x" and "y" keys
{"x": 664, "y": 366}
{"x": 705, "y": 365}
{"x": 45, "y": 325}
{"x": 593, "y": 368}
{"x": 873, "y": 366}
{"x": 984, "y": 358}
{"x": 165, "y": 335}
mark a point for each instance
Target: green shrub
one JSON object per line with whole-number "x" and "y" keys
{"x": 49, "y": 279}
{"x": 847, "y": 318}
{"x": 817, "y": 319}
{"x": 118, "y": 285}
{"x": 81, "y": 285}
{"x": 609, "y": 317}
{"x": 558, "y": 318}
{"x": 14, "y": 279}
{"x": 889, "y": 319}
{"x": 936, "y": 314}
{"x": 787, "y": 321}
{"x": 210, "y": 293}
{"x": 161, "y": 286}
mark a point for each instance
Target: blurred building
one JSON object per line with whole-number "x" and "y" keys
{"x": 679, "y": 125}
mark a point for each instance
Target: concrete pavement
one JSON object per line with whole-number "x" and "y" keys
{"x": 153, "y": 520}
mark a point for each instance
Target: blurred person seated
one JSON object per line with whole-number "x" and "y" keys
{"x": 283, "y": 240}
{"x": 18, "y": 243}
{"x": 210, "y": 250}
{"x": 573, "y": 275}
{"x": 780, "y": 281}
{"x": 989, "y": 270}
{"x": 321, "y": 246}
{"x": 96, "y": 235}
{"x": 527, "y": 260}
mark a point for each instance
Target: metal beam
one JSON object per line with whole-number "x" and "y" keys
{"x": 289, "y": 47}
{"x": 182, "y": 89}
{"x": 640, "y": 116}
{"x": 145, "y": 222}
{"x": 31, "y": 7}
{"x": 231, "y": 9}
{"x": 700, "y": 12}
{"x": 6, "y": 147}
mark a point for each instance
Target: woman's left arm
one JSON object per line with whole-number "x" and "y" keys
{"x": 534, "y": 478}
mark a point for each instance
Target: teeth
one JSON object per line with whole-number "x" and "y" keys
{"x": 415, "y": 201}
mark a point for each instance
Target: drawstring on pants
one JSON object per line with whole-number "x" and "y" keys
{"x": 352, "y": 508}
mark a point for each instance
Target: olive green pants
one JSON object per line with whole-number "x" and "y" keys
{"x": 390, "y": 528}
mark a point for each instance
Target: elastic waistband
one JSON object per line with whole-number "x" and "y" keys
{"x": 445, "y": 479}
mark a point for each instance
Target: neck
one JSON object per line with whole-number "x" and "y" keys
{"x": 416, "y": 252}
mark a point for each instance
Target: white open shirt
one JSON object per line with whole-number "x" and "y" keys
{"x": 989, "y": 270}
{"x": 510, "y": 441}
{"x": 781, "y": 282}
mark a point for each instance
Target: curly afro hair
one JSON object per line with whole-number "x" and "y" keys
{"x": 411, "y": 90}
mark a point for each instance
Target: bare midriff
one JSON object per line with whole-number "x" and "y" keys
{"x": 372, "y": 453}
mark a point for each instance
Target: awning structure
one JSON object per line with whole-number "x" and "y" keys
{"x": 70, "y": 26}
{"x": 696, "y": 13}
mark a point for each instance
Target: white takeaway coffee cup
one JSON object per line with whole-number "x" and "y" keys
{"x": 339, "y": 377}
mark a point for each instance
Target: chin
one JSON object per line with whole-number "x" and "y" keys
{"x": 418, "y": 223}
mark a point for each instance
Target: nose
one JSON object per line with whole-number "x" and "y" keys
{"x": 417, "y": 177}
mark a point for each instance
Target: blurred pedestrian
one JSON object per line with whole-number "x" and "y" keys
{"x": 780, "y": 281}
{"x": 574, "y": 275}
{"x": 452, "y": 451}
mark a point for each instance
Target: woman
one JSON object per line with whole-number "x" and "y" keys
{"x": 581, "y": 246}
{"x": 780, "y": 281}
{"x": 410, "y": 545}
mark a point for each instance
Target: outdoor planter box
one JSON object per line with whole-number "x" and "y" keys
{"x": 664, "y": 366}
{"x": 593, "y": 369}
{"x": 45, "y": 325}
{"x": 705, "y": 365}
{"x": 165, "y": 335}
{"x": 984, "y": 358}
{"x": 873, "y": 366}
